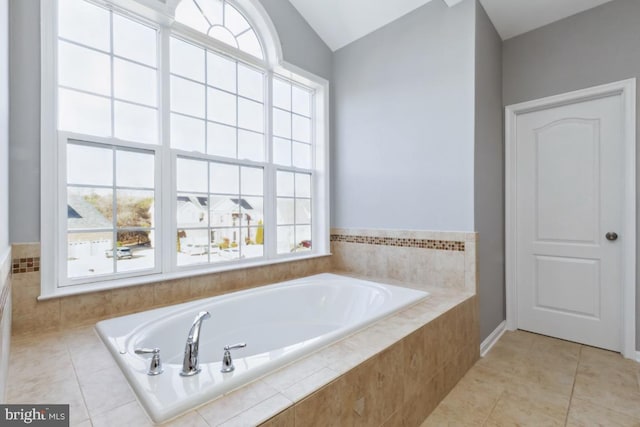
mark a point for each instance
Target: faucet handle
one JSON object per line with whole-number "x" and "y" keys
{"x": 155, "y": 368}
{"x": 227, "y": 361}
{"x": 235, "y": 346}
{"x": 147, "y": 350}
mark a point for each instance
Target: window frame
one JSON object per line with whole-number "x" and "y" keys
{"x": 53, "y": 180}
{"x": 80, "y": 139}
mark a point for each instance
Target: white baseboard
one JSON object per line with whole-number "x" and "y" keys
{"x": 493, "y": 338}
{"x": 638, "y": 356}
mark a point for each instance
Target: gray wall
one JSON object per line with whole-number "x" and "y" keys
{"x": 489, "y": 174}
{"x": 4, "y": 127}
{"x": 24, "y": 123}
{"x": 301, "y": 47}
{"x": 402, "y": 154}
{"x": 598, "y": 46}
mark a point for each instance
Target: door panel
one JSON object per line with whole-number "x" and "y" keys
{"x": 567, "y": 203}
{"x": 570, "y": 193}
{"x": 568, "y": 285}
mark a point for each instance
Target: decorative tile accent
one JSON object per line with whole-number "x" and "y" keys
{"x": 443, "y": 245}
{"x": 25, "y": 265}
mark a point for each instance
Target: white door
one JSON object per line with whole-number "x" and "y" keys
{"x": 570, "y": 194}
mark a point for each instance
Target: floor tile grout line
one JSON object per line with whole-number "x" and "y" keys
{"x": 123, "y": 405}
{"x": 484, "y": 423}
{"x": 573, "y": 386}
{"x": 581, "y": 359}
{"x": 82, "y": 393}
{"x": 77, "y": 378}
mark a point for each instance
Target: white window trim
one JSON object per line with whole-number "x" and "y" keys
{"x": 50, "y": 154}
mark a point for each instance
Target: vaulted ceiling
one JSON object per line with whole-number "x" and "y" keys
{"x": 515, "y": 17}
{"x": 340, "y": 22}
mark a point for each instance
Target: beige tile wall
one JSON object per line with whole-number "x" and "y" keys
{"x": 401, "y": 385}
{"x": 408, "y": 256}
{"x": 33, "y": 316}
{"x": 5, "y": 323}
{"x": 410, "y": 264}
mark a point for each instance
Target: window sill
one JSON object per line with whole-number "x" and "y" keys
{"x": 106, "y": 285}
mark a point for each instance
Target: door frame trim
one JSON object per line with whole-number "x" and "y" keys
{"x": 627, "y": 89}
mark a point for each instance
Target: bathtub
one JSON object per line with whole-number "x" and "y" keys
{"x": 279, "y": 323}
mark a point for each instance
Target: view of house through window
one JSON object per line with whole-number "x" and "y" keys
{"x": 110, "y": 216}
{"x": 220, "y": 211}
{"x": 236, "y": 141}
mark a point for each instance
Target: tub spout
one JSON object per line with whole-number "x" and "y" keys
{"x": 190, "y": 364}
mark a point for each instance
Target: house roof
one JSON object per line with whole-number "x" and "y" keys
{"x": 198, "y": 201}
{"x": 243, "y": 203}
{"x": 83, "y": 215}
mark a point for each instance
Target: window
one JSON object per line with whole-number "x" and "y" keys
{"x": 217, "y": 104}
{"x": 222, "y": 21}
{"x": 220, "y": 210}
{"x": 293, "y": 153}
{"x": 111, "y": 198}
{"x": 107, "y": 107}
{"x": 181, "y": 153}
{"x": 294, "y": 212}
{"x": 107, "y": 85}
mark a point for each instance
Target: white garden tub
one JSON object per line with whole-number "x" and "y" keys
{"x": 279, "y": 323}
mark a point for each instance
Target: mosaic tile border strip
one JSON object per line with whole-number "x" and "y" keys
{"x": 443, "y": 245}
{"x": 25, "y": 265}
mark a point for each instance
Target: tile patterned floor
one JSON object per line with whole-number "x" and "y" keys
{"x": 533, "y": 380}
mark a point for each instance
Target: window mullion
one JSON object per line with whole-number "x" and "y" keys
{"x": 61, "y": 241}
{"x": 165, "y": 174}
{"x": 237, "y": 125}
{"x": 114, "y": 201}
{"x": 270, "y": 214}
{"x": 112, "y": 77}
{"x": 206, "y": 149}
{"x": 295, "y": 217}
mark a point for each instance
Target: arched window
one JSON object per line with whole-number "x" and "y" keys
{"x": 222, "y": 21}
{"x": 182, "y": 143}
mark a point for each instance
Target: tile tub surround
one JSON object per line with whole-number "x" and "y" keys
{"x": 400, "y": 385}
{"x": 395, "y": 371}
{"x": 5, "y": 322}
{"x": 31, "y": 316}
{"x": 423, "y": 258}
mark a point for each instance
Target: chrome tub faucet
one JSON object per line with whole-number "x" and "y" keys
{"x": 227, "y": 361}
{"x": 190, "y": 365}
{"x": 155, "y": 368}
